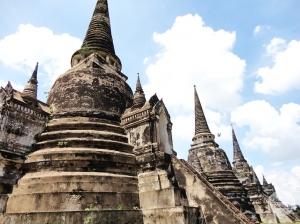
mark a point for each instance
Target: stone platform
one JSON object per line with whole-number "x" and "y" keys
{"x": 80, "y": 217}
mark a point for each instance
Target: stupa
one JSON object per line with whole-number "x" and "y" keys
{"x": 97, "y": 153}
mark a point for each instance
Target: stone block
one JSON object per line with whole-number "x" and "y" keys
{"x": 159, "y": 199}
{"x": 268, "y": 217}
{"x": 3, "y": 201}
{"x": 172, "y": 215}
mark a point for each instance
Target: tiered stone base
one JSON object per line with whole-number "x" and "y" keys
{"x": 81, "y": 163}
{"x": 177, "y": 214}
{"x": 228, "y": 184}
{"x": 73, "y": 191}
{"x": 80, "y": 217}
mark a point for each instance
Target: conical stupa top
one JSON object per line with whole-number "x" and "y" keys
{"x": 98, "y": 37}
{"x": 30, "y": 90}
{"x": 138, "y": 85}
{"x": 237, "y": 153}
{"x": 34, "y": 74}
{"x": 264, "y": 181}
{"x": 200, "y": 120}
{"x": 139, "y": 98}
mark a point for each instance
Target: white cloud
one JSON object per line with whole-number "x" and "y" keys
{"x": 256, "y": 30}
{"x": 195, "y": 54}
{"x": 30, "y": 44}
{"x": 260, "y": 29}
{"x": 284, "y": 73}
{"x": 146, "y": 59}
{"x": 276, "y": 45}
{"x": 275, "y": 133}
{"x": 183, "y": 127}
{"x": 16, "y": 86}
{"x": 276, "y": 164}
{"x": 259, "y": 170}
{"x": 296, "y": 172}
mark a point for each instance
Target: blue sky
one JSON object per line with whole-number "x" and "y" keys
{"x": 242, "y": 55}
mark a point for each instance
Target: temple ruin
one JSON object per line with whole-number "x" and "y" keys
{"x": 98, "y": 153}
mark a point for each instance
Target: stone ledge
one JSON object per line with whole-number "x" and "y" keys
{"x": 95, "y": 217}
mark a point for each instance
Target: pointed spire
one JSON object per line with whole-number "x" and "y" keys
{"x": 237, "y": 153}
{"x": 34, "y": 74}
{"x": 98, "y": 37}
{"x": 264, "y": 181}
{"x": 30, "y": 90}
{"x": 138, "y": 84}
{"x": 200, "y": 120}
{"x": 139, "y": 96}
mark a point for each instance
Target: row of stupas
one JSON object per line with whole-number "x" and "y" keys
{"x": 97, "y": 153}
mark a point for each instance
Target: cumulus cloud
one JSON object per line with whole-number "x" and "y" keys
{"x": 256, "y": 30}
{"x": 260, "y": 29}
{"x": 286, "y": 183}
{"x": 296, "y": 171}
{"x": 30, "y": 44}
{"x": 274, "y": 132}
{"x": 276, "y": 45}
{"x": 16, "y": 86}
{"x": 259, "y": 170}
{"x": 284, "y": 73}
{"x": 182, "y": 127}
{"x": 192, "y": 53}
{"x": 276, "y": 164}
{"x": 146, "y": 59}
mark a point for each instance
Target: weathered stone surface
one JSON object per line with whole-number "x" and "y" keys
{"x": 22, "y": 117}
{"x": 210, "y": 156}
{"x": 139, "y": 98}
{"x": 216, "y": 167}
{"x": 30, "y": 91}
{"x": 179, "y": 214}
{"x": 208, "y": 159}
{"x": 98, "y": 38}
{"x": 84, "y": 123}
{"x": 148, "y": 123}
{"x": 106, "y": 156}
{"x": 90, "y": 96}
{"x": 80, "y": 159}
{"x": 84, "y": 217}
{"x": 20, "y": 121}
{"x": 96, "y": 91}
{"x": 200, "y": 120}
{"x": 73, "y": 191}
{"x": 163, "y": 201}
{"x": 263, "y": 197}
{"x": 157, "y": 191}
{"x": 216, "y": 208}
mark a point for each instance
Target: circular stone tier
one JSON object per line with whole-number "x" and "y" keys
{"x": 84, "y": 123}
{"x": 73, "y": 191}
{"x": 80, "y": 163}
{"x": 90, "y": 92}
{"x": 80, "y": 160}
{"x": 101, "y": 146}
